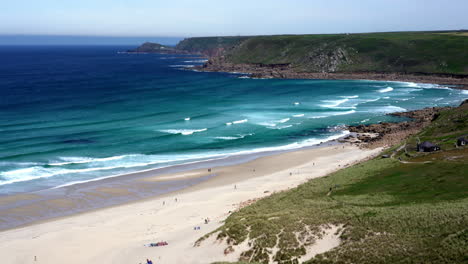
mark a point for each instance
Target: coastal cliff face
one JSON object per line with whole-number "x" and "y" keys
{"x": 430, "y": 53}
{"x": 434, "y": 57}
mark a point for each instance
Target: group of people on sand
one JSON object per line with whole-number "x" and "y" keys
{"x": 159, "y": 244}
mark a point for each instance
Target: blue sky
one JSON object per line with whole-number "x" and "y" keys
{"x": 184, "y": 18}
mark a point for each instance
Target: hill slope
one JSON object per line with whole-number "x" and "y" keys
{"x": 391, "y": 212}
{"x": 379, "y": 52}
{"x": 434, "y": 57}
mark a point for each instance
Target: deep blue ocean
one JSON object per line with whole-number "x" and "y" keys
{"x": 71, "y": 114}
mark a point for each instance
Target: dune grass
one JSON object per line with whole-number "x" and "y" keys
{"x": 392, "y": 212}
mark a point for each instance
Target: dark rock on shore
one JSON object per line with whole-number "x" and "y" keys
{"x": 286, "y": 71}
{"x": 388, "y": 133}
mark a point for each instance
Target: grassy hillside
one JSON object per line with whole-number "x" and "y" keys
{"x": 392, "y": 212}
{"x": 410, "y": 52}
{"x": 209, "y": 46}
{"x": 443, "y": 131}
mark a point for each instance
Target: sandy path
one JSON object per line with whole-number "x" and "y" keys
{"x": 117, "y": 234}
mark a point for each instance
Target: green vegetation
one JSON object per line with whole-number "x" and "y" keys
{"x": 153, "y": 47}
{"x": 443, "y": 131}
{"x": 392, "y": 212}
{"x": 402, "y": 52}
{"x": 209, "y": 45}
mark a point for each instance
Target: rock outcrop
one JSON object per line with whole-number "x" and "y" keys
{"x": 388, "y": 133}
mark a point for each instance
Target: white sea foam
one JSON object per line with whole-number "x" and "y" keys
{"x": 281, "y": 127}
{"x": 274, "y": 123}
{"x": 187, "y": 119}
{"x": 196, "y": 61}
{"x": 333, "y": 114}
{"x": 182, "y": 66}
{"x": 268, "y": 124}
{"x": 184, "y": 132}
{"x": 228, "y": 138}
{"x": 464, "y": 91}
{"x": 372, "y": 100}
{"x": 130, "y": 161}
{"x": 139, "y": 160}
{"x": 333, "y": 103}
{"x": 297, "y": 103}
{"x": 244, "y": 77}
{"x": 350, "y": 96}
{"x": 411, "y": 84}
{"x": 298, "y": 115}
{"x": 410, "y": 90}
{"x": 425, "y": 85}
{"x": 81, "y": 160}
{"x": 39, "y": 172}
{"x": 228, "y": 123}
{"x": 240, "y": 121}
{"x": 235, "y": 137}
{"x": 386, "y": 90}
{"x": 365, "y": 120}
{"x": 234, "y": 72}
{"x": 390, "y": 109}
{"x": 13, "y": 163}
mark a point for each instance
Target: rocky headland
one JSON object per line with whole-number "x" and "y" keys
{"x": 424, "y": 57}
{"x": 149, "y": 47}
{"x": 389, "y": 133}
{"x": 287, "y": 71}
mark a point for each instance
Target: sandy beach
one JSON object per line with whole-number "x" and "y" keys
{"x": 119, "y": 234}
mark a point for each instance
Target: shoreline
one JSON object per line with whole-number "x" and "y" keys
{"x": 127, "y": 227}
{"x": 286, "y": 72}
{"x": 69, "y": 197}
{"x": 88, "y": 196}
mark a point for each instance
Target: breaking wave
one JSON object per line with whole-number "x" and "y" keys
{"x": 386, "y": 90}
{"x": 390, "y": 109}
{"x": 184, "y": 132}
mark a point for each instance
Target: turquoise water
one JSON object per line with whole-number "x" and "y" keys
{"x": 74, "y": 114}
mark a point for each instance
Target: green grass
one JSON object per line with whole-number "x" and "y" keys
{"x": 411, "y": 52}
{"x": 203, "y": 44}
{"x": 392, "y": 212}
{"x": 443, "y": 131}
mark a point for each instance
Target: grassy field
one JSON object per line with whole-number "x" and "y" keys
{"x": 407, "y": 52}
{"x": 443, "y": 131}
{"x": 392, "y": 212}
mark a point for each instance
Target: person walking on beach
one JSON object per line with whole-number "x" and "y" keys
{"x": 149, "y": 261}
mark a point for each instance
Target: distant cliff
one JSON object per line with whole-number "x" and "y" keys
{"x": 435, "y": 54}
{"x": 404, "y": 52}
{"x": 149, "y": 47}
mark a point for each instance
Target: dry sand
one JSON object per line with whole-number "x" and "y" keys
{"x": 118, "y": 234}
